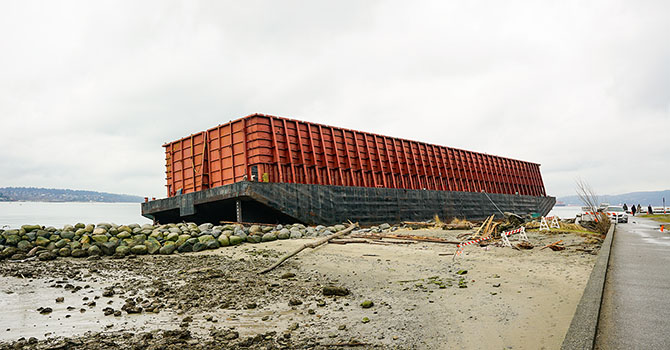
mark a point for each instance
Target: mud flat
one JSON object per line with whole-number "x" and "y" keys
{"x": 416, "y": 295}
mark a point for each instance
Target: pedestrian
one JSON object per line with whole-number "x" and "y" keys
{"x": 632, "y": 209}
{"x": 625, "y": 207}
{"x": 650, "y": 210}
{"x": 639, "y": 208}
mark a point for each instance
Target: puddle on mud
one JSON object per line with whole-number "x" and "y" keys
{"x": 20, "y": 298}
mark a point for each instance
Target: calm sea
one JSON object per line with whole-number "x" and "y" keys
{"x": 15, "y": 214}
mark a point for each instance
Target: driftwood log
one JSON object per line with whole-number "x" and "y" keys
{"x": 310, "y": 245}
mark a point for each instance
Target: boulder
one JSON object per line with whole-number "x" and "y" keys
{"x": 123, "y": 235}
{"x": 108, "y": 248}
{"x": 152, "y": 246}
{"x": 213, "y": 244}
{"x": 99, "y": 231}
{"x": 28, "y": 228}
{"x": 269, "y": 237}
{"x": 235, "y": 240}
{"x": 206, "y": 238}
{"x": 78, "y": 253}
{"x": 24, "y": 246}
{"x": 61, "y": 243}
{"x": 167, "y": 249}
{"x": 94, "y": 250}
{"x": 46, "y": 256}
{"x": 185, "y": 248}
{"x": 296, "y": 234}
{"x": 67, "y": 235}
{"x": 205, "y": 227}
{"x": 173, "y": 236}
{"x": 64, "y": 252}
{"x": 223, "y": 240}
{"x": 139, "y": 249}
{"x": 42, "y": 242}
{"x": 284, "y": 234}
{"x": 199, "y": 247}
{"x": 122, "y": 250}
{"x": 254, "y": 239}
{"x": 12, "y": 240}
{"x": 100, "y": 238}
{"x": 255, "y": 229}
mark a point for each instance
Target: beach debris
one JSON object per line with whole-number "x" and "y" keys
{"x": 553, "y": 245}
{"x": 525, "y": 245}
{"x": 556, "y": 247}
{"x": 312, "y": 245}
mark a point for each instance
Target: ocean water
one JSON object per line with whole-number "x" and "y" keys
{"x": 15, "y": 214}
{"x": 567, "y": 212}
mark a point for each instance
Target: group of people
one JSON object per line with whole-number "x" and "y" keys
{"x": 638, "y": 209}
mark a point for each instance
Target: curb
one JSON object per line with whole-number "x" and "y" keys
{"x": 584, "y": 325}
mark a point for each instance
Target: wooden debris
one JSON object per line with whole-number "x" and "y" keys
{"x": 556, "y": 247}
{"x": 484, "y": 226}
{"x": 310, "y": 245}
{"x": 525, "y": 245}
{"x": 406, "y": 237}
{"x": 552, "y": 244}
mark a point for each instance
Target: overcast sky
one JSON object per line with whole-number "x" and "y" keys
{"x": 90, "y": 90}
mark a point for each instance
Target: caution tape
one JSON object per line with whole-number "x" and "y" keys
{"x": 504, "y": 235}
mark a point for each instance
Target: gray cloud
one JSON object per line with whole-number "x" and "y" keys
{"x": 90, "y": 91}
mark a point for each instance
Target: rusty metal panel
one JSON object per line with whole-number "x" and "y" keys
{"x": 272, "y": 149}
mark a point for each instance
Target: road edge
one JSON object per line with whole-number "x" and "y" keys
{"x": 582, "y": 331}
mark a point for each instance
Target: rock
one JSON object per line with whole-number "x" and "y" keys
{"x": 108, "y": 248}
{"x": 34, "y": 251}
{"x": 78, "y": 253}
{"x": 192, "y": 240}
{"x": 29, "y": 228}
{"x": 288, "y": 275}
{"x": 185, "y": 248}
{"x": 232, "y": 335}
{"x": 75, "y": 245}
{"x": 123, "y": 235}
{"x": 61, "y": 243}
{"x": 365, "y": 320}
{"x": 182, "y": 239}
{"x": 46, "y": 256}
{"x": 254, "y": 238}
{"x": 367, "y": 304}
{"x": 206, "y": 238}
{"x": 335, "y": 290}
{"x": 152, "y": 246}
{"x": 339, "y": 227}
{"x": 255, "y": 229}
{"x": 67, "y": 235}
{"x": 13, "y": 240}
{"x": 167, "y": 249}
{"x": 384, "y": 226}
{"x": 197, "y": 247}
{"x": 108, "y": 311}
{"x": 122, "y": 250}
{"x": 223, "y": 240}
{"x": 296, "y": 234}
{"x": 60, "y": 299}
{"x": 94, "y": 250}
{"x": 85, "y": 239}
{"x": 172, "y": 237}
{"x": 7, "y": 252}
{"x": 235, "y": 240}
{"x": 251, "y": 305}
{"x": 79, "y": 225}
{"x": 284, "y": 234}
{"x": 294, "y": 302}
{"x": 139, "y": 249}
{"x": 462, "y": 272}
{"x": 64, "y": 252}
{"x": 205, "y": 227}
{"x": 99, "y": 231}
{"x": 46, "y": 310}
{"x": 227, "y": 233}
{"x": 269, "y": 237}
{"x": 100, "y": 238}
{"x": 24, "y": 246}
{"x": 213, "y": 244}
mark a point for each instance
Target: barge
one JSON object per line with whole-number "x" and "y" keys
{"x": 263, "y": 168}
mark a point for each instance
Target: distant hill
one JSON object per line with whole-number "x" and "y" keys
{"x": 32, "y": 194}
{"x": 654, "y": 198}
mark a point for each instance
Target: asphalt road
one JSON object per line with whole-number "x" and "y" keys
{"x": 635, "y": 311}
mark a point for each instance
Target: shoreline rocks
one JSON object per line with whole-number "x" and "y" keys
{"x": 106, "y": 239}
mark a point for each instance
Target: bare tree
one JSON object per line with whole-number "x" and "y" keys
{"x": 591, "y": 200}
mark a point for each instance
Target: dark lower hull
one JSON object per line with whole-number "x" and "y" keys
{"x": 322, "y": 204}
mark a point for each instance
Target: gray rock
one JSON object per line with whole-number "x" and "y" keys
{"x": 216, "y": 233}
{"x": 64, "y": 252}
{"x": 199, "y": 247}
{"x": 67, "y": 235}
{"x": 279, "y": 227}
{"x": 193, "y": 240}
{"x": 24, "y": 246}
{"x": 269, "y": 237}
{"x": 213, "y": 244}
{"x": 296, "y": 234}
{"x": 206, "y": 226}
{"x": 206, "y": 238}
{"x": 172, "y": 236}
{"x": 284, "y": 234}
{"x": 29, "y": 228}
{"x": 255, "y": 229}
{"x": 254, "y": 239}
{"x": 108, "y": 248}
{"x": 152, "y": 246}
{"x": 235, "y": 240}
{"x": 384, "y": 226}
{"x": 339, "y": 228}
{"x": 61, "y": 243}
{"x": 335, "y": 290}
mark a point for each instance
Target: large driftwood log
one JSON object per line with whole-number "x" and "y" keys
{"x": 310, "y": 245}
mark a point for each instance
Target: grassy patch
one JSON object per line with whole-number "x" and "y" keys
{"x": 658, "y": 217}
